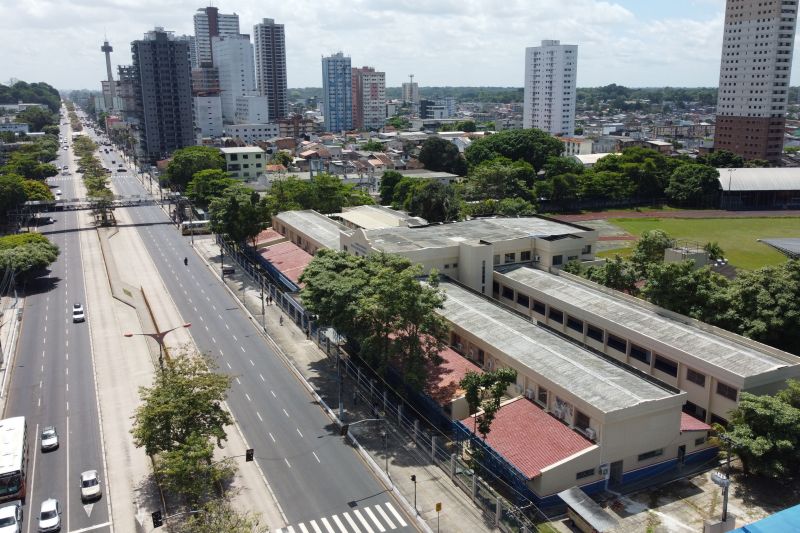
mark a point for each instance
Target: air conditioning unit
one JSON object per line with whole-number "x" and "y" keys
{"x": 537, "y": 258}
{"x": 517, "y": 388}
{"x": 603, "y": 471}
{"x": 590, "y": 433}
{"x": 529, "y": 394}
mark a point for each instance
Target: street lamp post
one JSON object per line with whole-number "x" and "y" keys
{"x": 414, "y": 480}
{"x": 730, "y": 180}
{"x": 159, "y": 338}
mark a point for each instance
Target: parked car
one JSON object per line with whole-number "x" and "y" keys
{"x": 49, "y": 439}
{"x": 77, "y": 313}
{"x": 11, "y": 518}
{"x": 50, "y": 516}
{"x": 90, "y": 485}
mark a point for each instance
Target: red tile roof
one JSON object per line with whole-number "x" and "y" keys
{"x": 529, "y": 438}
{"x": 289, "y": 258}
{"x": 443, "y": 380}
{"x": 690, "y": 423}
{"x": 269, "y": 235}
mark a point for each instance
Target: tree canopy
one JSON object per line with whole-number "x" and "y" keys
{"x": 693, "y": 185}
{"x": 26, "y": 253}
{"x": 186, "y": 162}
{"x": 531, "y": 145}
{"x": 484, "y": 393}
{"x": 31, "y": 93}
{"x": 208, "y": 184}
{"x": 238, "y": 213}
{"x": 441, "y": 155}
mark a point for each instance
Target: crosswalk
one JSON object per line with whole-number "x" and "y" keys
{"x": 373, "y": 519}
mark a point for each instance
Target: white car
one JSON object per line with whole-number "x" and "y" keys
{"x": 77, "y": 313}
{"x": 58, "y": 192}
{"x": 11, "y": 518}
{"x": 90, "y": 485}
{"x": 50, "y": 516}
{"x": 49, "y": 438}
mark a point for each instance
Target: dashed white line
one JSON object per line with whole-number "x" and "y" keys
{"x": 287, "y": 414}
{"x": 316, "y": 457}
{"x": 270, "y": 436}
{"x": 213, "y": 339}
{"x": 298, "y": 432}
{"x": 239, "y": 381}
{"x": 229, "y": 365}
{"x": 289, "y": 465}
{"x": 234, "y": 336}
{"x": 259, "y": 416}
{"x": 262, "y": 378}
{"x": 273, "y": 394}
{"x": 242, "y": 347}
{"x": 248, "y": 397}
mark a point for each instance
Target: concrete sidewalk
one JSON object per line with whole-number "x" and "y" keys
{"x": 10, "y": 321}
{"x": 404, "y": 459}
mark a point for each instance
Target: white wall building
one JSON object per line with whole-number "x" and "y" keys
{"x": 233, "y": 56}
{"x": 209, "y": 23}
{"x": 369, "y": 98}
{"x": 244, "y": 163}
{"x": 270, "y": 47}
{"x": 252, "y": 133}
{"x": 251, "y": 109}
{"x": 550, "y": 77}
{"x": 208, "y": 116}
{"x": 411, "y": 93}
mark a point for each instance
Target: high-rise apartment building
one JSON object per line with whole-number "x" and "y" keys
{"x": 210, "y": 23}
{"x": 163, "y": 92}
{"x": 550, "y": 76}
{"x": 337, "y": 92}
{"x": 754, "y": 77}
{"x": 270, "y": 46}
{"x": 233, "y": 58}
{"x": 369, "y": 98}
{"x": 411, "y": 93}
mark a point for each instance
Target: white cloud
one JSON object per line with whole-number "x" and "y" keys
{"x": 442, "y": 42}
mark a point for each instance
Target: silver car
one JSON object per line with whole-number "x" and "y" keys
{"x": 49, "y": 439}
{"x": 90, "y": 485}
{"x": 50, "y": 516}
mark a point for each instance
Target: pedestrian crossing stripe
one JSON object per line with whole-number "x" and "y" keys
{"x": 373, "y": 519}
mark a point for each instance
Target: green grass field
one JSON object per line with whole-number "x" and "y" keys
{"x": 737, "y": 236}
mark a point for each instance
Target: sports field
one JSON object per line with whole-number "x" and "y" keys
{"x": 737, "y": 236}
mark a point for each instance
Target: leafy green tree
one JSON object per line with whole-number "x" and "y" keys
{"x": 12, "y": 193}
{"x": 189, "y": 469}
{"x": 557, "y": 165}
{"x": 29, "y": 166}
{"x": 378, "y": 303}
{"x": 721, "y": 159}
{"x": 37, "y": 118}
{"x": 616, "y": 273}
{"x": 650, "y": 249}
{"x": 683, "y": 288}
{"x": 51, "y": 130}
{"x": 484, "y": 393}
{"x": 218, "y": 515}
{"x": 389, "y": 179}
{"x": 398, "y": 123}
{"x": 37, "y": 191}
{"x": 757, "y": 163}
{"x": 693, "y": 185}
{"x": 237, "y": 213}
{"x": 562, "y": 190}
{"x": 501, "y": 178}
{"x": 372, "y": 146}
{"x": 515, "y": 207}
{"x": 34, "y": 93}
{"x": 185, "y": 403}
{"x": 187, "y": 162}
{"x": 714, "y": 251}
{"x": 440, "y": 155}
{"x": 606, "y": 185}
{"x": 282, "y": 157}
{"x": 26, "y": 253}
{"x": 207, "y": 185}
{"x": 531, "y": 145}
{"x": 433, "y": 201}
{"x": 764, "y": 433}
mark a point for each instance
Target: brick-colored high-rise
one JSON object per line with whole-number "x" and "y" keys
{"x": 754, "y": 77}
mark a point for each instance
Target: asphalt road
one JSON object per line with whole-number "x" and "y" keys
{"x": 53, "y": 379}
{"x": 315, "y": 475}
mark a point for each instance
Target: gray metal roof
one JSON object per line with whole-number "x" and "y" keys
{"x": 738, "y": 359}
{"x": 595, "y": 380}
{"x": 759, "y": 179}
{"x": 789, "y": 247}
{"x": 406, "y": 239}
{"x": 317, "y": 226}
{"x": 586, "y": 507}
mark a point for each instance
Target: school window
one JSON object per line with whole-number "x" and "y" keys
{"x": 558, "y": 259}
{"x": 575, "y": 324}
{"x": 581, "y": 420}
{"x": 510, "y": 258}
{"x": 695, "y": 377}
{"x": 727, "y": 391}
{"x": 585, "y": 473}
{"x": 665, "y": 365}
{"x": 525, "y": 256}
{"x": 538, "y": 307}
{"x": 523, "y": 299}
{"x": 594, "y": 333}
{"x": 556, "y": 316}
{"x": 640, "y": 354}
{"x": 497, "y": 259}
{"x": 541, "y": 396}
{"x": 508, "y": 293}
{"x": 649, "y": 455}
{"x": 616, "y": 343}
{"x": 700, "y": 441}
{"x": 495, "y": 287}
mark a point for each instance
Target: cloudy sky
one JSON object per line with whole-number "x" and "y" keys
{"x": 637, "y": 43}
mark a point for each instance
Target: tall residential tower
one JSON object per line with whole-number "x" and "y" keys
{"x": 337, "y": 93}
{"x": 270, "y": 46}
{"x": 369, "y": 98}
{"x": 209, "y": 23}
{"x": 754, "y": 77}
{"x": 233, "y": 59}
{"x": 550, "y": 76}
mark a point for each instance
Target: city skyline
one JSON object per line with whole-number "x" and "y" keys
{"x": 467, "y": 44}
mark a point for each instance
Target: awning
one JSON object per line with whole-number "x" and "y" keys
{"x": 593, "y": 514}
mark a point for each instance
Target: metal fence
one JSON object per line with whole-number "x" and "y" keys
{"x": 411, "y": 415}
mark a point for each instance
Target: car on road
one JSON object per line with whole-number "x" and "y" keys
{"x": 11, "y": 518}
{"x": 50, "y": 516}
{"x": 90, "y": 485}
{"x": 58, "y": 192}
{"x": 65, "y": 167}
{"x": 49, "y": 438}
{"x": 121, "y": 169}
{"x": 77, "y": 313}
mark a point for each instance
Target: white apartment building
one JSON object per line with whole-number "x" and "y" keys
{"x": 756, "y": 63}
{"x": 577, "y": 146}
{"x": 233, "y": 57}
{"x": 269, "y": 40}
{"x": 209, "y": 23}
{"x": 252, "y": 133}
{"x": 244, "y": 163}
{"x": 411, "y": 93}
{"x": 369, "y": 98}
{"x": 208, "y": 116}
{"x": 251, "y": 109}
{"x": 550, "y": 77}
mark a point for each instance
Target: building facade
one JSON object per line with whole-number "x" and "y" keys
{"x": 208, "y": 116}
{"x": 163, "y": 93}
{"x": 411, "y": 93}
{"x": 550, "y": 78}
{"x": 251, "y": 109}
{"x": 245, "y": 163}
{"x": 269, "y": 40}
{"x": 210, "y": 23}
{"x": 252, "y": 133}
{"x": 233, "y": 58}
{"x": 337, "y": 92}
{"x": 754, "y": 77}
{"x": 369, "y": 98}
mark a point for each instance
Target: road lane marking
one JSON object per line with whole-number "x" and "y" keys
{"x": 205, "y": 327}
{"x": 377, "y": 522}
{"x": 229, "y": 365}
{"x": 351, "y": 522}
{"x": 234, "y": 336}
{"x": 33, "y": 477}
{"x": 298, "y": 432}
{"x": 339, "y": 523}
{"x": 363, "y": 521}
{"x": 213, "y": 339}
{"x": 259, "y": 416}
{"x": 262, "y": 378}
{"x": 289, "y": 465}
{"x": 385, "y": 516}
{"x": 327, "y": 525}
{"x": 248, "y": 397}
{"x": 270, "y": 436}
{"x": 90, "y": 528}
{"x": 239, "y": 381}
{"x": 242, "y": 347}
{"x": 316, "y": 457}
{"x": 396, "y": 514}
{"x": 315, "y": 526}
{"x": 273, "y": 394}
{"x": 40, "y": 402}
{"x": 287, "y": 414}
{"x": 227, "y": 326}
